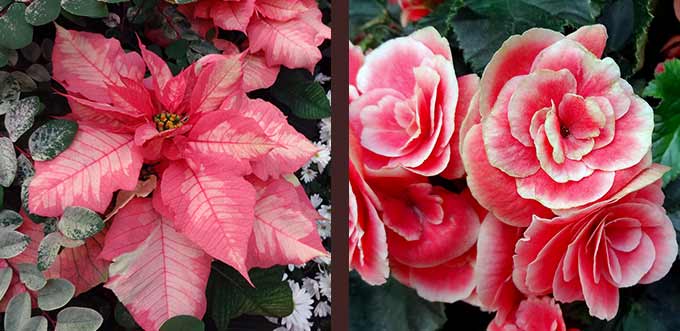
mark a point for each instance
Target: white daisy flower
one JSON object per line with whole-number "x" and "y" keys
{"x": 311, "y": 285}
{"x": 324, "y": 228}
{"x": 324, "y": 279}
{"x": 325, "y": 130}
{"x": 299, "y": 319}
{"x": 321, "y": 78}
{"x": 307, "y": 175}
{"x": 322, "y": 309}
{"x": 325, "y": 211}
{"x": 316, "y": 200}
{"x": 322, "y": 157}
{"x": 323, "y": 259}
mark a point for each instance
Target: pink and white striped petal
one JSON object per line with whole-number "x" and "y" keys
{"x": 232, "y": 15}
{"x": 213, "y": 208}
{"x": 218, "y": 80}
{"x": 86, "y": 174}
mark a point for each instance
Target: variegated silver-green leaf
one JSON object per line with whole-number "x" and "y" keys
{"x": 26, "y": 83}
{"x": 51, "y": 139}
{"x": 8, "y": 162}
{"x": 35, "y": 323}
{"x": 56, "y": 294}
{"x": 78, "y": 319}
{"x": 38, "y": 72}
{"x": 21, "y": 116}
{"x": 24, "y": 203}
{"x": 18, "y": 312}
{"x": 10, "y": 220}
{"x": 24, "y": 169}
{"x": 31, "y": 276}
{"x": 71, "y": 243}
{"x": 12, "y": 243}
{"x": 9, "y": 93}
{"x": 48, "y": 250}
{"x": 5, "y": 280}
{"x": 79, "y": 223}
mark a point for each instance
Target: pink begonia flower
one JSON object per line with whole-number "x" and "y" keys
{"x": 533, "y": 314}
{"x": 287, "y": 32}
{"x": 625, "y": 240}
{"x": 224, "y": 163}
{"x": 404, "y": 104}
{"x": 420, "y": 220}
{"x": 414, "y": 10}
{"x": 367, "y": 238}
{"x": 559, "y": 128}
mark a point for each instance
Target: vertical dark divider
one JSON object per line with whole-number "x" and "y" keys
{"x": 339, "y": 181}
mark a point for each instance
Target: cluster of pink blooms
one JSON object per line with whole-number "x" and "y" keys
{"x": 223, "y": 162}
{"x": 561, "y": 201}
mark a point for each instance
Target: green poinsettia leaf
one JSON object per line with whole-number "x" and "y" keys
{"x": 391, "y": 306}
{"x": 18, "y": 311}
{"x": 56, "y": 294}
{"x": 79, "y": 223}
{"x": 31, "y": 276}
{"x": 78, "y": 319}
{"x": 666, "y": 137}
{"x": 21, "y": 116}
{"x": 229, "y": 295}
{"x": 15, "y": 32}
{"x": 183, "y": 323}
{"x": 305, "y": 97}
{"x": 5, "y": 280}
{"x": 483, "y": 26}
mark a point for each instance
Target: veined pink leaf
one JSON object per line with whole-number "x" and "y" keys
{"x": 292, "y": 43}
{"x": 284, "y": 231}
{"x": 232, "y": 15}
{"x": 101, "y": 115}
{"x": 129, "y": 228}
{"x": 160, "y": 73}
{"x": 218, "y": 80}
{"x": 222, "y": 134}
{"x": 132, "y": 97}
{"x": 86, "y": 174}
{"x": 282, "y": 10}
{"x": 142, "y": 190}
{"x": 165, "y": 275}
{"x": 294, "y": 149}
{"x": 86, "y": 63}
{"x": 80, "y": 265}
{"x": 257, "y": 74}
{"x": 213, "y": 208}
{"x": 15, "y": 287}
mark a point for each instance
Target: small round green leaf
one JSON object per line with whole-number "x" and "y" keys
{"x": 41, "y": 12}
{"x": 88, "y": 8}
{"x": 48, "y": 250}
{"x": 78, "y": 319}
{"x": 35, "y": 323}
{"x": 8, "y": 162}
{"x": 183, "y": 323}
{"x": 18, "y": 312}
{"x": 10, "y": 220}
{"x": 38, "y": 73}
{"x": 15, "y": 33}
{"x": 21, "y": 116}
{"x": 31, "y": 276}
{"x": 51, "y": 139}
{"x": 56, "y": 294}
{"x": 5, "y": 280}
{"x": 12, "y": 243}
{"x": 31, "y": 52}
{"x": 10, "y": 90}
{"x": 79, "y": 223}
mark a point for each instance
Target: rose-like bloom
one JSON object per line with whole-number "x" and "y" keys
{"x": 367, "y": 239}
{"x": 403, "y": 108}
{"x": 414, "y": 10}
{"x": 590, "y": 254}
{"x": 533, "y": 314}
{"x": 559, "y": 128}
{"x": 421, "y": 220}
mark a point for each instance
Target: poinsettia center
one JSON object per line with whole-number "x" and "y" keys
{"x": 166, "y": 121}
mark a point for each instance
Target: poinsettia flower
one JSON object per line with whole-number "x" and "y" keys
{"x": 287, "y": 32}
{"x": 222, "y": 161}
{"x": 590, "y": 254}
{"x": 559, "y": 128}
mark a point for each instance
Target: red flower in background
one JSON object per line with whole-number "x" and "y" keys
{"x": 414, "y": 10}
